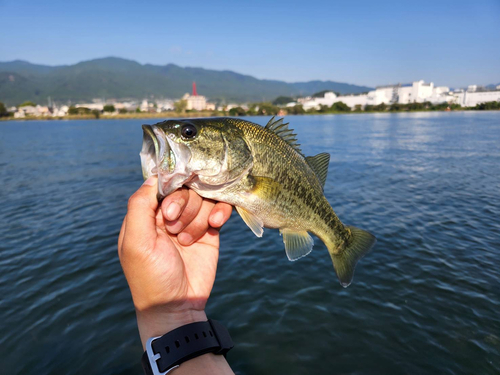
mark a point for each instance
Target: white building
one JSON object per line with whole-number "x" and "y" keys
{"x": 415, "y": 92}
{"x": 34, "y": 111}
{"x": 129, "y": 106}
{"x": 354, "y": 100}
{"x": 314, "y": 103}
{"x": 164, "y": 105}
{"x": 43, "y": 111}
{"x": 91, "y": 106}
{"x": 144, "y": 107}
{"x": 61, "y": 111}
{"x": 27, "y": 110}
{"x": 472, "y": 98}
{"x": 383, "y": 94}
{"x": 196, "y": 102}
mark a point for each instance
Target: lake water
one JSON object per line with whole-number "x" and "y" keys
{"x": 426, "y": 300}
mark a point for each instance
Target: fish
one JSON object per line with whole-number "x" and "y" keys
{"x": 262, "y": 172}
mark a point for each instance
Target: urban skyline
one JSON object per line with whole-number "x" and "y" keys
{"x": 418, "y": 95}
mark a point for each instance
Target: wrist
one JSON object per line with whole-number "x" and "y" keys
{"x": 157, "y": 323}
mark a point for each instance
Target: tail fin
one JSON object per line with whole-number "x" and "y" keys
{"x": 345, "y": 261}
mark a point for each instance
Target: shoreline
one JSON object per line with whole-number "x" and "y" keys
{"x": 167, "y": 115}
{"x": 120, "y": 116}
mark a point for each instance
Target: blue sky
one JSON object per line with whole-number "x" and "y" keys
{"x": 454, "y": 43}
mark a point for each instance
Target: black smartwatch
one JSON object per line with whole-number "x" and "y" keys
{"x": 164, "y": 353}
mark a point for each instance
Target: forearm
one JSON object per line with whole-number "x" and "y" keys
{"x": 153, "y": 324}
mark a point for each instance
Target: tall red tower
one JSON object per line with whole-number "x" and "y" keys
{"x": 194, "y": 89}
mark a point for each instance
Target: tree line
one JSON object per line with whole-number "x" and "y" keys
{"x": 275, "y": 107}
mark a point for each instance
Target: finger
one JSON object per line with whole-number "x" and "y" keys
{"x": 173, "y": 205}
{"x": 192, "y": 208}
{"x": 198, "y": 227}
{"x": 220, "y": 214}
{"x": 122, "y": 234}
{"x": 141, "y": 214}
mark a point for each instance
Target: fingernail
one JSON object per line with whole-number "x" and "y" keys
{"x": 173, "y": 211}
{"x": 151, "y": 181}
{"x": 185, "y": 238}
{"x": 217, "y": 218}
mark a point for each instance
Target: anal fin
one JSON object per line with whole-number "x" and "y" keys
{"x": 297, "y": 244}
{"x": 253, "y": 222}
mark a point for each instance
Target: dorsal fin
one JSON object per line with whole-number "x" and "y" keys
{"x": 319, "y": 164}
{"x": 271, "y": 125}
{"x": 281, "y": 129}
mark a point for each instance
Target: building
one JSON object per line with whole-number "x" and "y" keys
{"x": 144, "y": 107}
{"x": 32, "y": 111}
{"x": 61, "y": 111}
{"x": 195, "y": 102}
{"x": 164, "y": 105}
{"x": 472, "y": 96}
{"x": 315, "y": 103}
{"x": 91, "y": 106}
{"x": 128, "y": 106}
{"x": 415, "y": 92}
{"x": 354, "y": 100}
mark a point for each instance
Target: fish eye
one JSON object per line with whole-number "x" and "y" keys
{"x": 188, "y": 131}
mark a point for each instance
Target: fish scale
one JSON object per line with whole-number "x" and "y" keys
{"x": 263, "y": 173}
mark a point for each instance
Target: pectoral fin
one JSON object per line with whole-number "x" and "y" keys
{"x": 255, "y": 224}
{"x": 297, "y": 244}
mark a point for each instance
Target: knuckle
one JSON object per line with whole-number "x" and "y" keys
{"x": 136, "y": 200}
{"x": 134, "y": 249}
{"x": 176, "y": 197}
{"x": 131, "y": 201}
{"x": 191, "y": 210}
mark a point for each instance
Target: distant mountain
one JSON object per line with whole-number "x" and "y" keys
{"x": 116, "y": 78}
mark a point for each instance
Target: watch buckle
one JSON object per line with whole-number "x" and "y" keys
{"x": 153, "y": 357}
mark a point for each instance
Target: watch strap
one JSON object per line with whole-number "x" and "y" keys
{"x": 189, "y": 341}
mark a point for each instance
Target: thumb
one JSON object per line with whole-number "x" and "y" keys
{"x": 141, "y": 212}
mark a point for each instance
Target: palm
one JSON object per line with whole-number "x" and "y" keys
{"x": 164, "y": 273}
{"x": 186, "y": 272}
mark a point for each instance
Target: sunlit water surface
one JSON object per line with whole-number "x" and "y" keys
{"x": 426, "y": 300}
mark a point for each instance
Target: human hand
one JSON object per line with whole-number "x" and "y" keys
{"x": 169, "y": 256}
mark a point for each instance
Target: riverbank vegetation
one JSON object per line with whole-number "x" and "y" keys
{"x": 342, "y": 108}
{"x": 255, "y": 109}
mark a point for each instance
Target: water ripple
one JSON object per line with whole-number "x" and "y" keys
{"x": 424, "y": 301}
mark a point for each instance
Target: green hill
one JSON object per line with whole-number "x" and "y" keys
{"x": 116, "y": 78}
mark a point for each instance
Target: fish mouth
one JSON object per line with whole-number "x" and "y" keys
{"x": 157, "y": 157}
{"x": 164, "y": 158}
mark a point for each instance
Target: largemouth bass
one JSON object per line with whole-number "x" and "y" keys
{"x": 263, "y": 173}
